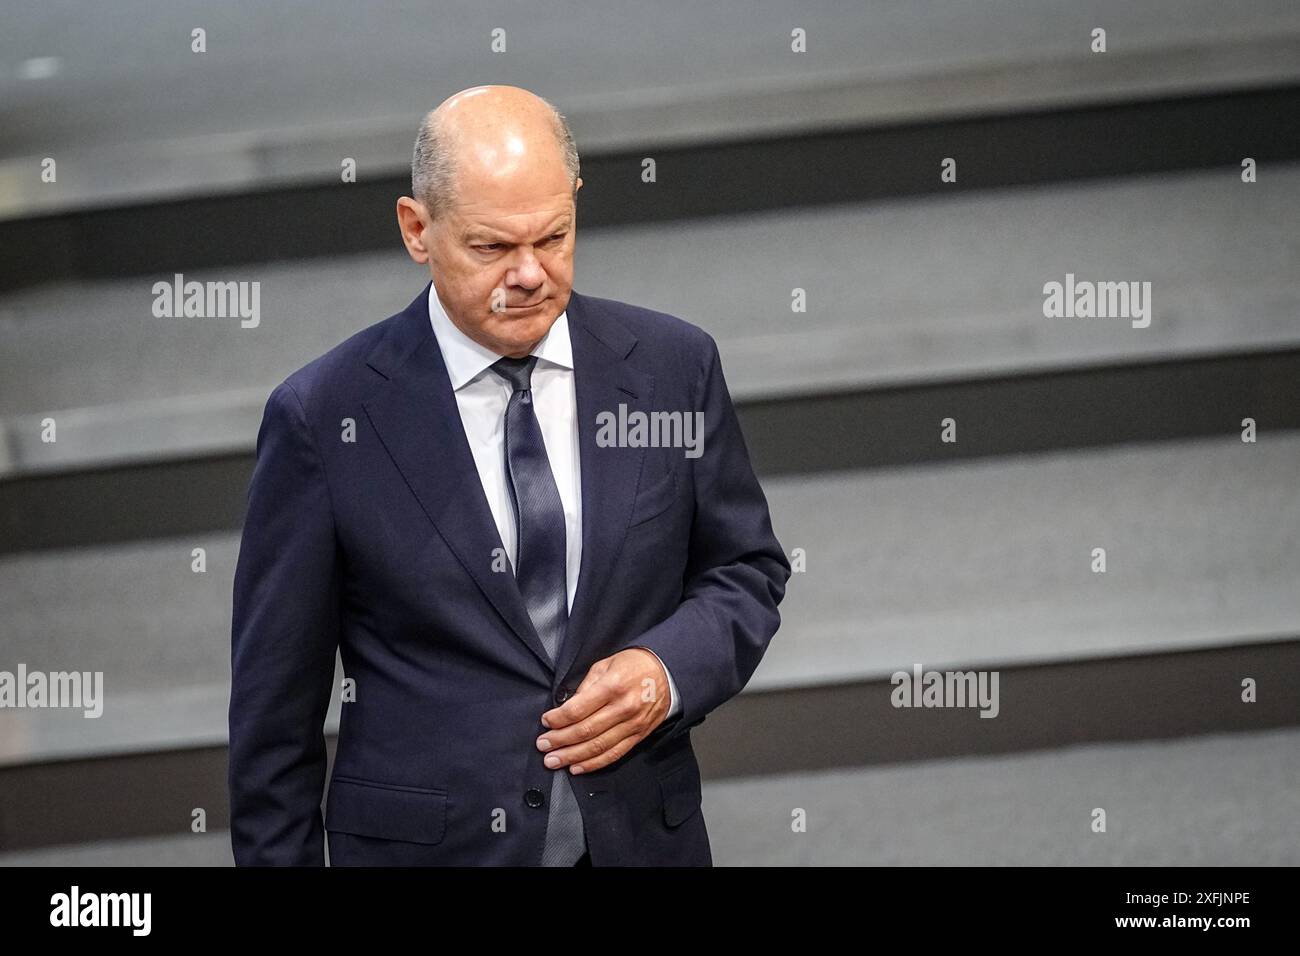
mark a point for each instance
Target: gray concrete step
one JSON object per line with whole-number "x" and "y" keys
{"x": 983, "y": 562}
{"x": 1222, "y": 800}
{"x": 912, "y": 291}
{"x": 222, "y": 126}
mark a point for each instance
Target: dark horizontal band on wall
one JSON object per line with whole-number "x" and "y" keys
{"x": 1023, "y": 414}
{"x": 1061, "y": 704}
{"x": 816, "y": 728}
{"x": 314, "y": 221}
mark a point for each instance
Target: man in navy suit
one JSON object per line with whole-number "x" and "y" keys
{"x": 527, "y": 521}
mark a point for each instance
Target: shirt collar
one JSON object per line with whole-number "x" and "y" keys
{"x": 466, "y": 359}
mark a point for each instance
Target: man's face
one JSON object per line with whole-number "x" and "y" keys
{"x": 502, "y": 257}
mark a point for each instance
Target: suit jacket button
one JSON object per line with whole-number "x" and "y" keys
{"x": 534, "y": 797}
{"x": 562, "y": 695}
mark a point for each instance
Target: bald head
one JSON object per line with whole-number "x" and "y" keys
{"x": 487, "y": 134}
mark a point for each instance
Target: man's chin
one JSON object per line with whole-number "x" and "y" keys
{"x": 519, "y": 336}
{"x": 525, "y": 327}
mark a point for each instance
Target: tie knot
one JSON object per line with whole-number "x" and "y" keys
{"x": 517, "y": 371}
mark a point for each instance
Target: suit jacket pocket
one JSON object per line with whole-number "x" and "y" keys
{"x": 679, "y": 785}
{"x": 387, "y": 811}
{"x": 655, "y": 500}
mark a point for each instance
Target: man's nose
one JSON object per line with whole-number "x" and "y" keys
{"x": 528, "y": 271}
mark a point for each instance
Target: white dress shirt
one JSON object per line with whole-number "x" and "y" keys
{"x": 482, "y": 396}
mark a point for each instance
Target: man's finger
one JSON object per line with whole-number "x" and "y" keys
{"x": 605, "y": 749}
{"x": 569, "y": 712}
{"x": 567, "y": 721}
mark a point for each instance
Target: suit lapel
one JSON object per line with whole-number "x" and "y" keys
{"x": 418, "y": 422}
{"x": 603, "y": 380}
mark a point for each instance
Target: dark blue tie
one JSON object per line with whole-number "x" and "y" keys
{"x": 540, "y": 572}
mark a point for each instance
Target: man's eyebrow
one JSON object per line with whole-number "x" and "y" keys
{"x": 485, "y": 232}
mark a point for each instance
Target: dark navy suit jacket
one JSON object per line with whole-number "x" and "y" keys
{"x": 383, "y": 547}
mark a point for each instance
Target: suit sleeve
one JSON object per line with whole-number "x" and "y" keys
{"x": 284, "y": 635}
{"x": 737, "y": 572}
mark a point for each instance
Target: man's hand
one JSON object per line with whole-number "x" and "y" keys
{"x": 619, "y": 703}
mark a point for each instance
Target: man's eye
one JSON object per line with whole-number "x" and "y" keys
{"x": 557, "y": 237}
{"x": 489, "y": 247}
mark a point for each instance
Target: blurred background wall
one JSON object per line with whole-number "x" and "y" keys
{"x": 777, "y": 169}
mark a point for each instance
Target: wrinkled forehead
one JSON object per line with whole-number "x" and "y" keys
{"x": 519, "y": 202}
